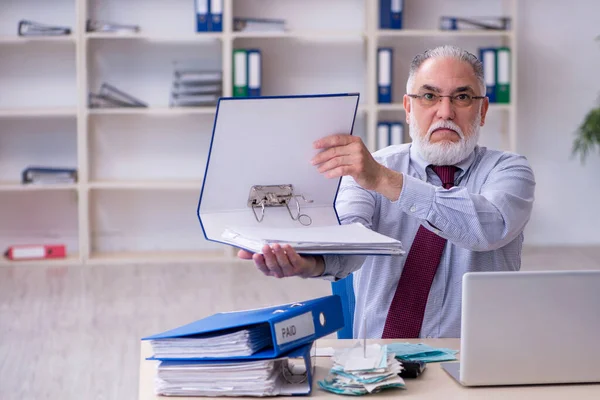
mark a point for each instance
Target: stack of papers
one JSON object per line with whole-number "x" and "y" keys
{"x": 238, "y": 343}
{"x": 252, "y": 378}
{"x": 335, "y": 239}
{"x": 358, "y": 371}
{"x": 421, "y": 352}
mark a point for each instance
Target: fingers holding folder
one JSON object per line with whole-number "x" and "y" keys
{"x": 347, "y": 155}
{"x": 283, "y": 261}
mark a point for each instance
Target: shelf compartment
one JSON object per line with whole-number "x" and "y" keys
{"x": 26, "y": 142}
{"x": 155, "y": 18}
{"x": 31, "y": 217}
{"x": 148, "y": 220}
{"x": 130, "y": 148}
{"x": 145, "y": 70}
{"x": 37, "y": 76}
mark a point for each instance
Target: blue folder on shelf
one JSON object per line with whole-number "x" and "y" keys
{"x": 268, "y": 332}
{"x": 385, "y": 74}
{"x": 488, "y": 56}
{"x": 215, "y": 11}
{"x": 202, "y": 15}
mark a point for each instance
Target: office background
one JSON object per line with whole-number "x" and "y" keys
{"x": 137, "y": 261}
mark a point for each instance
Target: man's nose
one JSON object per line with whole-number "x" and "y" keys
{"x": 445, "y": 109}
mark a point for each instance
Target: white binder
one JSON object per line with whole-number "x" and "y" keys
{"x": 260, "y": 186}
{"x": 396, "y": 133}
{"x": 383, "y": 135}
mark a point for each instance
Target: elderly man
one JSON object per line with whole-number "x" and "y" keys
{"x": 456, "y": 206}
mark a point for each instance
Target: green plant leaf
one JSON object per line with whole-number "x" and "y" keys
{"x": 588, "y": 134}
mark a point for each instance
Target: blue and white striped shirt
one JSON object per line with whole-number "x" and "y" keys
{"x": 482, "y": 217}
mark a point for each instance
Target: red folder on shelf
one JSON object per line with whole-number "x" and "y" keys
{"x": 36, "y": 252}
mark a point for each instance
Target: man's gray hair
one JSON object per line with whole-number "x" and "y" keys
{"x": 444, "y": 52}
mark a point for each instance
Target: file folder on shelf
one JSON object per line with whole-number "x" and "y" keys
{"x": 216, "y": 16}
{"x": 260, "y": 187}
{"x": 396, "y": 133}
{"x": 390, "y": 14}
{"x": 383, "y": 135}
{"x": 36, "y": 252}
{"x": 488, "y": 58}
{"x": 240, "y": 73}
{"x": 396, "y": 13}
{"x": 474, "y": 23}
{"x": 384, "y": 74}
{"x": 273, "y": 331}
{"x": 258, "y": 25}
{"x": 202, "y": 15}
{"x": 254, "y": 72}
{"x": 503, "y": 75}
{"x": 32, "y": 28}
{"x": 41, "y": 175}
{"x": 385, "y": 14}
{"x": 289, "y": 374}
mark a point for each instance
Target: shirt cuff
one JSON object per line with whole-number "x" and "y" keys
{"x": 416, "y": 197}
{"x": 332, "y": 266}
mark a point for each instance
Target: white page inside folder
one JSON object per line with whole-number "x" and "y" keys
{"x": 282, "y": 376}
{"x": 260, "y": 186}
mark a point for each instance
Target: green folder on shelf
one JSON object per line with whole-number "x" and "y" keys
{"x": 240, "y": 73}
{"x": 503, "y": 75}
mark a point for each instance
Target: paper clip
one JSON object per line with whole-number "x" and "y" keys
{"x": 261, "y": 197}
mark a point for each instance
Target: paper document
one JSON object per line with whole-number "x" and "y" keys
{"x": 255, "y": 378}
{"x": 422, "y": 352}
{"x": 358, "y": 371}
{"x": 243, "y": 342}
{"x": 339, "y": 239}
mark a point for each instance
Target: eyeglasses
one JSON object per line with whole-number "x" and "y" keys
{"x": 430, "y": 99}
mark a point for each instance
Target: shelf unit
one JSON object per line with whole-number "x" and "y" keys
{"x": 141, "y": 169}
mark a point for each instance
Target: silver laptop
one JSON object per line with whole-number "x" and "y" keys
{"x": 529, "y": 328}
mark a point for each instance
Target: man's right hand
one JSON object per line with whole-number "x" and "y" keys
{"x": 283, "y": 261}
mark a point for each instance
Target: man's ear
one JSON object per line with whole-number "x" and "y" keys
{"x": 484, "y": 110}
{"x": 406, "y": 104}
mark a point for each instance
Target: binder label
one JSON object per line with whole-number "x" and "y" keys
{"x": 295, "y": 328}
{"x": 29, "y": 252}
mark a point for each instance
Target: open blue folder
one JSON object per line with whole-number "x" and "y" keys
{"x": 285, "y": 327}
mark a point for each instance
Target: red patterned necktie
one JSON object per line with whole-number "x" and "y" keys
{"x": 405, "y": 315}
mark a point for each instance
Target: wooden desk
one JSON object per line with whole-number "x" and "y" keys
{"x": 435, "y": 383}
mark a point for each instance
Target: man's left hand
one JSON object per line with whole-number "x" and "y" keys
{"x": 347, "y": 155}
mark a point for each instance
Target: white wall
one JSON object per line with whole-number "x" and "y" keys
{"x": 558, "y": 82}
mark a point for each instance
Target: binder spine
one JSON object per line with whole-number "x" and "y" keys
{"x": 488, "y": 58}
{"x": 202, "y": 15}
{"x": 385, "y": 14}
{"x": 396, "y": 13}
{"x": 216, "y": 16}
{"x": 326, "y": 315}
{"x": 240, "y": 73}
{"x": 396, "y": 133}
{"x": 254, "y": 72}
{"x": 36, "y": 252}
{"x": 293, "y": 329}
{"x": 383, "y": 135}
{"x": 503, "y": 75}
{"x": 384, "y": 74}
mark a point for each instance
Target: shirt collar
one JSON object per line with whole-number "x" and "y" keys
{"x": 421, "y": 165}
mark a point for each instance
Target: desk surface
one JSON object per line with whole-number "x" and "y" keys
{"x": 435, "y": 383}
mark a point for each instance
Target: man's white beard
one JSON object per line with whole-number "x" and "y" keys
{"x": 444, "y": 152}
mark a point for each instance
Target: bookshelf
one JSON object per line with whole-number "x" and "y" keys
{"x": 141, "y": 170}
